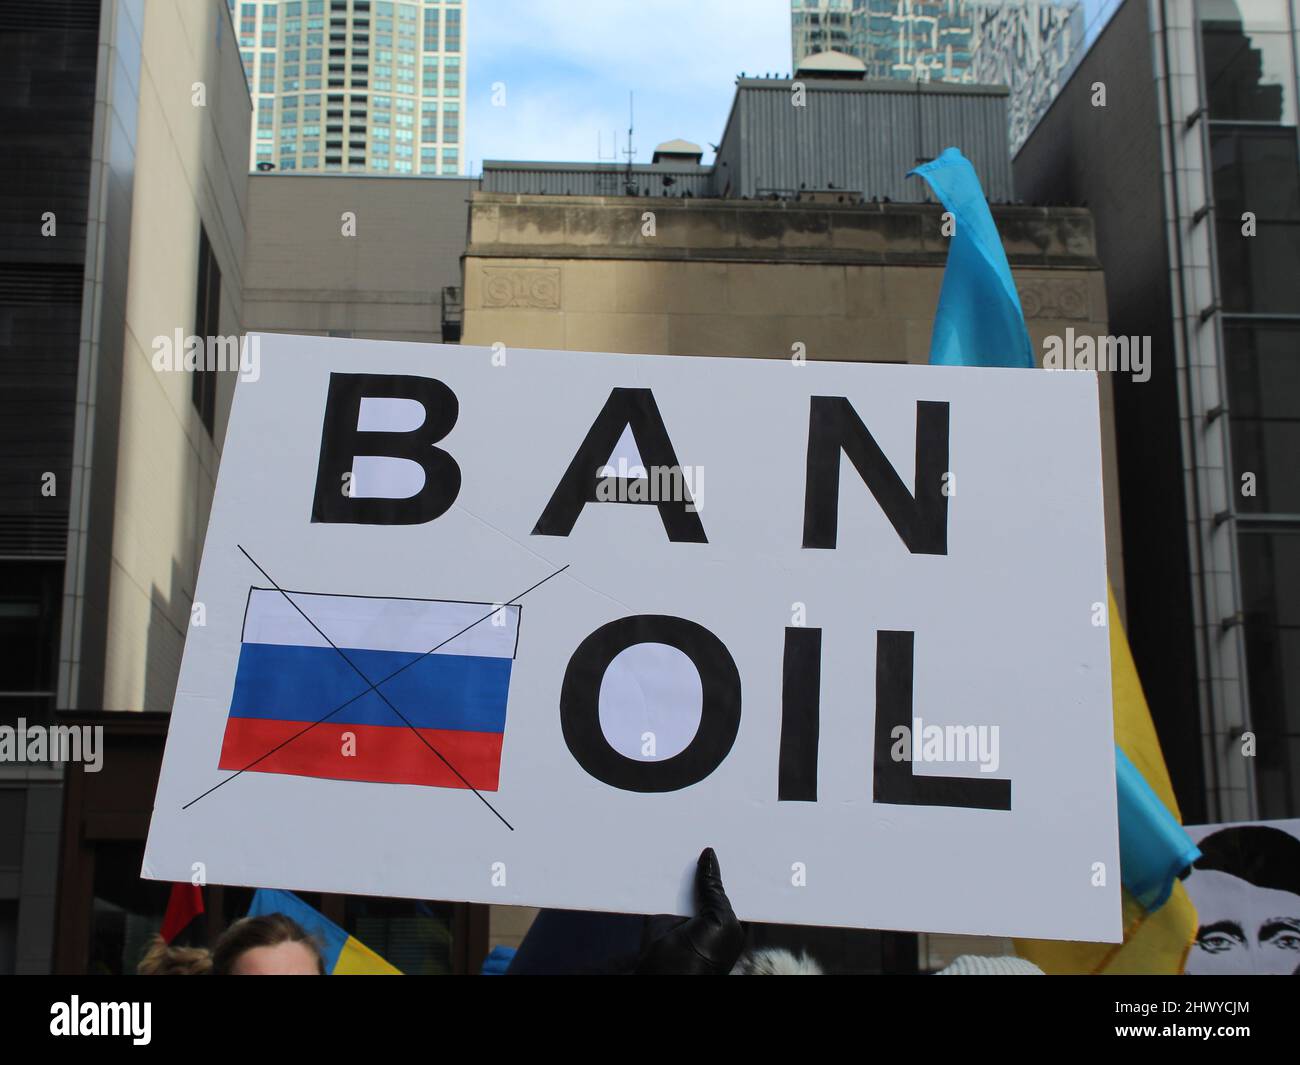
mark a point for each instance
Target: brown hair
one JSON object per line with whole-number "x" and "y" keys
{"x": 162, "y": 959}
{"x": 268, "y": 930}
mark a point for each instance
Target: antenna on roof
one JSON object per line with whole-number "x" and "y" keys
{"x": 629, "y": 187}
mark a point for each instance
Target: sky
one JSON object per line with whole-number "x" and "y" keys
{"x": 566, "y": 68}
{"x": 562, "y": 70}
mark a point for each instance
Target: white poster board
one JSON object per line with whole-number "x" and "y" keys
{"x": 439, "y": 708}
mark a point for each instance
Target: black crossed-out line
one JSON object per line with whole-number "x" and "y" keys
{"x": 373, "y": 686}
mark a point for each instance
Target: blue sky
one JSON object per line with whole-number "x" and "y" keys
{"x": 567, "y": 67}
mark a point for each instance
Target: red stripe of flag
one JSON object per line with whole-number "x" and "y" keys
{"x": 382, "y": 754}
{"x": 183, "y": 905}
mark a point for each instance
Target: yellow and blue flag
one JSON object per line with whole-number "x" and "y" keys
{"x": 979, "y": 322}
{"x": 345, "y": 955}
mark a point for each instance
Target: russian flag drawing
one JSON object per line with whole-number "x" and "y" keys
{"x": 290, "y": 678}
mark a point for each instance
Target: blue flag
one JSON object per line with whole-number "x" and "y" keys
{"x": 980, "y": 323}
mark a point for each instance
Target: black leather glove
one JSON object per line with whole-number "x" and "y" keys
{"x": 707, "y": 944}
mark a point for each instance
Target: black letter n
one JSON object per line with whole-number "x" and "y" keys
{"x": 341, "y": 442}
{"x": 921, "y": 520}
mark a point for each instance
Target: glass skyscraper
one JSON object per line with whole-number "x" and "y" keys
{"x": 355, "y": 86}
{"x": 916, "y": 40}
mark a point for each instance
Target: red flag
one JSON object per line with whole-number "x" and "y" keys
{"x": 185, "y": 904}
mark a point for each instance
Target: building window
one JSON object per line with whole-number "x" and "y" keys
{"x": 31, "y": 592}
{"x": 1263, "y": 373}
{"x": 1249, "y": 75}
{"x": 207, "y": 323}
{"x": 1255, "y": 170}
{"x": 1270, "y": 596}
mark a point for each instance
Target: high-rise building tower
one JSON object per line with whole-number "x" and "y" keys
{"x": 915, "y": 40}
{"x": 357, "y": 86}
{"x": 1178, "y": 126}
{"x": 1027, "y": 45}
{"x": 1019, "y": 43}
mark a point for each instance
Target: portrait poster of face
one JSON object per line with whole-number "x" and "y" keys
{"x": 1246, "y": 889}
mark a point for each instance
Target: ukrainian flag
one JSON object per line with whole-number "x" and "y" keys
{"x": 979, "y": 322}
{"x": 344, "y": 955}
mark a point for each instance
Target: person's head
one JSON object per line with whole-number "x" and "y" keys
{"x": 162, "y": 959}
{"x": 1246, "y": 889}
{"x": 270, "y": 945}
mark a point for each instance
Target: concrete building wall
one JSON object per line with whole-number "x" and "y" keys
{"x": 190, "y": 170}
{"x": 169, "y": 155}
{"x": 303, "y": 275}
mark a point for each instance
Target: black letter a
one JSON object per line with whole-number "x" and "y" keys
{"x": 634, "y": 407}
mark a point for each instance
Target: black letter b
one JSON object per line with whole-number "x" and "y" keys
{"x": 341, "y": 442}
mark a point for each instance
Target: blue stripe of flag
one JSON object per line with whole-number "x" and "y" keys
{"x": 291, "y": 683}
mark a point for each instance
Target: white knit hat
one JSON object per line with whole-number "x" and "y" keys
{"x": 982, "y": 965}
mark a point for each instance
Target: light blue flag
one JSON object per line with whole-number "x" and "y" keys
{"x": 1153, "y": 847}
{"x": 979, "y": 323}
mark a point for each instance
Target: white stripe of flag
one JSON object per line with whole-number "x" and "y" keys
{"x": 364, "y": 623}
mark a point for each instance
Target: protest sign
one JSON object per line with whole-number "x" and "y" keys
{"x": 535, "y": 627}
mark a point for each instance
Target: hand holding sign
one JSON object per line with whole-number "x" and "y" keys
{"x": 707, "y": 944}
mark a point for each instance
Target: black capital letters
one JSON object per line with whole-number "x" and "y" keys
{"x": 625, "y": 407}
{"x": 801, "y": 678}
{"x": 719, "y": 714}
{"x": 894, "y": 781}
{"x": 341, "y": 442}
{"x": 920, "y": 520}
